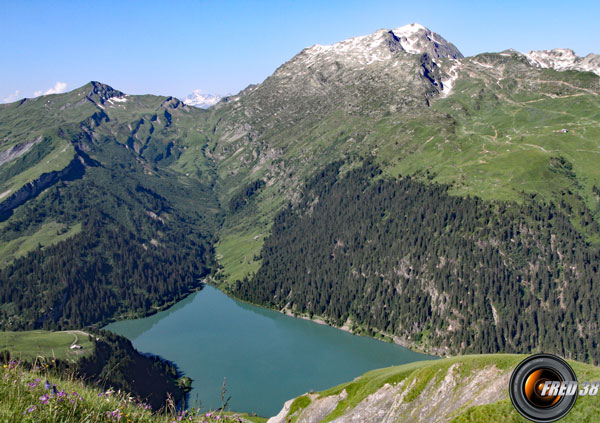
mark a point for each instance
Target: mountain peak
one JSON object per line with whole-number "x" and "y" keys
{"x": 410, "y": 28}
{"x": 416, "y": 39}
{"x": 383, "y": 44}
{"x": 98, "y": 92}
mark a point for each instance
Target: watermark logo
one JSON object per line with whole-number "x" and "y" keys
{"x": 543, "y": 388}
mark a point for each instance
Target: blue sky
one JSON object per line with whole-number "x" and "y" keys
{"x": 173, "y": 47}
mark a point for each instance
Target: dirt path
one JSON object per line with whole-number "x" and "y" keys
{"x": 548, "y": 96}
{"x": 564, "y": 83}
{"x": 537, "y": 146}
{"x": 76, "y": 334}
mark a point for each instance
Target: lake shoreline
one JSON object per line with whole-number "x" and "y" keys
{"x": 437, "y": 352}
{"x": 265, "y": 357}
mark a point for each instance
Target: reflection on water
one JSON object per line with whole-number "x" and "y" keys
{"x": 266, "y": 357}
{"x": 133, "y": 328}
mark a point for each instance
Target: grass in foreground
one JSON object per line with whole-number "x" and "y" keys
{"x": 39, "y": 395}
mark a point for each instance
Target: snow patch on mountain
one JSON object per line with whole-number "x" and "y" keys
{"x": 408, "y": 35}
{"x": 365, "y": 49}
{"x": 197, "y": 99}
{"x": 383, "y": 44}
{"x": 564, "y": 59}
{"x": 447, "y": 84}
{"x": 416, "y": 39}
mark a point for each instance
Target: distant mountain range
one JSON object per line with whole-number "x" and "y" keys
{"x": 198, "y": 99}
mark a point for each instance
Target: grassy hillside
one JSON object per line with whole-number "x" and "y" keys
{"x": 24, "y": 398}
{"x": 458, "y": 389}
{"x": 29, "y": 345}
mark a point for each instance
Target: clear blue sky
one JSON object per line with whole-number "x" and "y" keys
{"x": 172, "y": 47}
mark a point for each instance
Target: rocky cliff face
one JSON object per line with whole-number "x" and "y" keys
{"x": 17, "y": 151}
{"x": 458, "y": 389}
{"x": 443, "y": 395}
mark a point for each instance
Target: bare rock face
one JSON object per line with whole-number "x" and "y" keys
{"x": 564, "y": 59}
{"x": 417, "y": 39}
{"x": 437, "y": 402}
{"x": 447, "y": 393}
{"x": 17, "y": 151}
{"x": 282, "y": 415}
{"x": 382, "y": 46}
{"x": 99, "y": 93}
{"x": 319, "y": 408}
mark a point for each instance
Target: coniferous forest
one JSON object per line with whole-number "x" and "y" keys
{"x": 441, "y": 272}
{"x": 116, "y": 364}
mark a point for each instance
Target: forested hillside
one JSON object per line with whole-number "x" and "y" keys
{"x": 121, "y": 230}
{"x": 116, "y": 364}
{"x": 443, "y": 273}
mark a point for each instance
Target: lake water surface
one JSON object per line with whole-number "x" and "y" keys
{"x": 267, "y": 357}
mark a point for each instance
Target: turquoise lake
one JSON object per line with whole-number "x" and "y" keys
{"x": 266, "y": 357}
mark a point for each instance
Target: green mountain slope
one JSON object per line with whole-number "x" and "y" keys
{"x": 458, "y": 389}
{"x": 500, "y": 128}
{"x": 120, "y": 224}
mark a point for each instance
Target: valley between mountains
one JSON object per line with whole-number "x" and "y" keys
{"x": 384, "y": 184}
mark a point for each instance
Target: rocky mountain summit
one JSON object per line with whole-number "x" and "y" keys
{"x": 405, "y": 59}
{"x": 383, "y": 44}
{"x": 564, "y": 59}
{"x": 416, "y": 39}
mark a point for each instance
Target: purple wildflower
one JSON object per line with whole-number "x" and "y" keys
{"x": 29, "y": 410}
{"x": 44, "y": 399}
